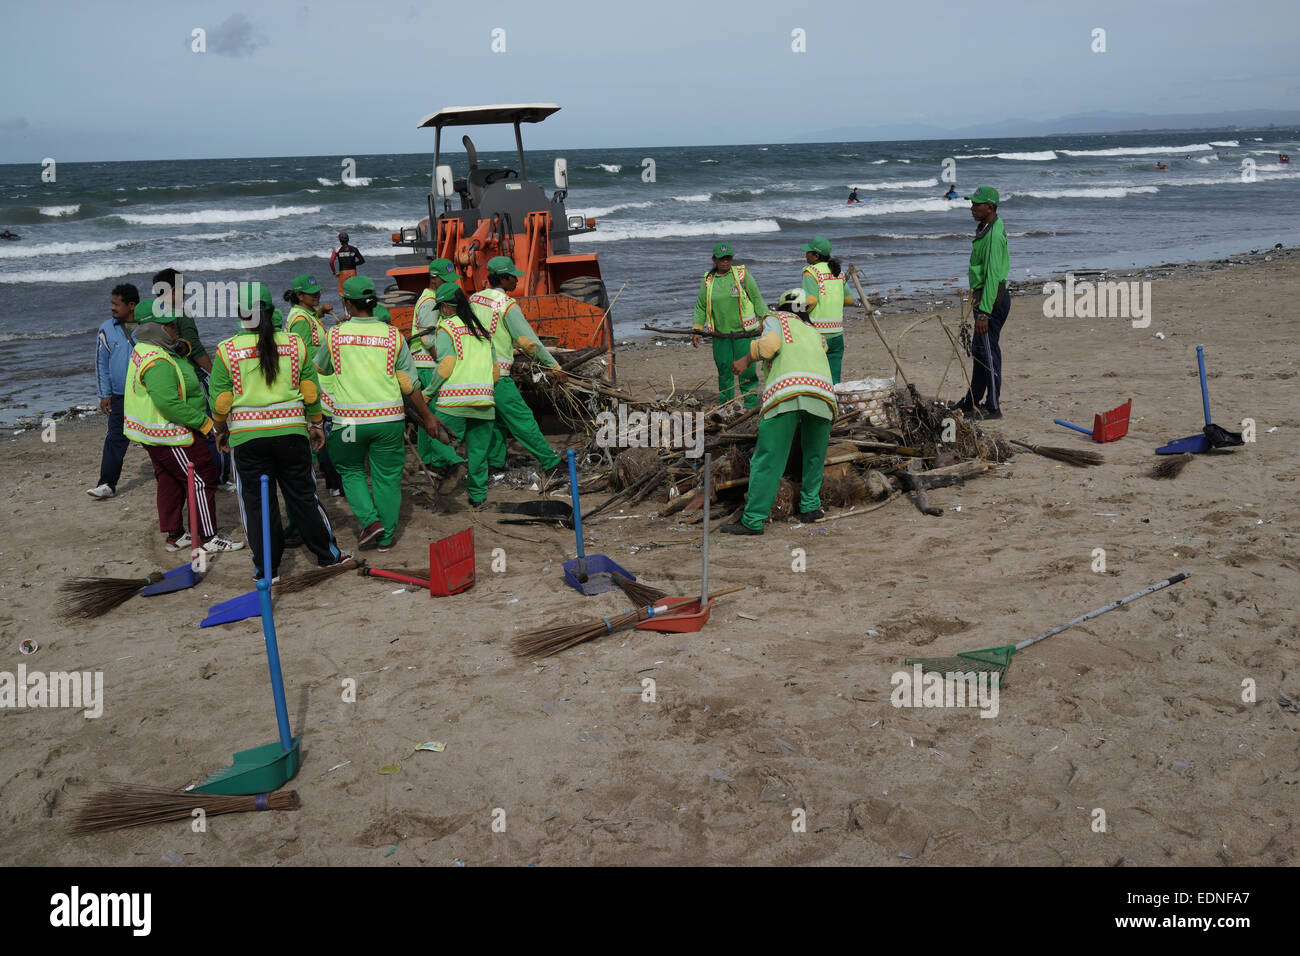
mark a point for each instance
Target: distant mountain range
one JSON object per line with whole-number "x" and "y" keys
{"x": 1078, "y": 123}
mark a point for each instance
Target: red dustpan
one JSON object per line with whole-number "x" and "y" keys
{"x": 451, "y": 567}
{"x": 1106, "y": 426}
{"x": 692, "y": 616}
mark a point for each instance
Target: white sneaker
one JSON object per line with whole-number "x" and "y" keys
{"x": 102, "y": 492}
{"x": 336, "y": 492}
{"x": 228, "y": 486}
{"x": 180, "y": 544}
{"x": 221, "y": 543}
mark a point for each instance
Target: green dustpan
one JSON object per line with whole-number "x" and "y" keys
{"x": 269, "y": 767}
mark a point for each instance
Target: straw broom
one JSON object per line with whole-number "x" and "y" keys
{"x": 1079, "y": 458}
{"x": 638, "y": 592}
{"x": 94, "y": 597}
{"x": 309, "y": 579}
{"x": 1170, "y": 467}
{"x": 138, "y": 806}
{"x": 552, "y": 640}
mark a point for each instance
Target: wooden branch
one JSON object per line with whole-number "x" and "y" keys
{"x": 704, "y": 333}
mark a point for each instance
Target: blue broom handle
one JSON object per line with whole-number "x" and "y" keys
{"x": 268, "y": 621}
{"x": 1077, "y": 428}
{"x": 1205, "y": 389}
{"x": 573, "y": 496}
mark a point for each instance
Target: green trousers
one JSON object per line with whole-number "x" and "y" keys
{"x": 379, "y": 444}
{"x": 835, "y": 355}
{"x": 432, "y": 452}
{"x": 514, "y": 417}
{"x": 726, "y": 351}
{"x": 770, "y": 455}
{"x": 478, "y": 434}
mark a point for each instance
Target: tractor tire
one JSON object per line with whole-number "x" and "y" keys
{"x": 587, "y": 289}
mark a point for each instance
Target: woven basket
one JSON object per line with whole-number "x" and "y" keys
{"x": 871, "y": 396}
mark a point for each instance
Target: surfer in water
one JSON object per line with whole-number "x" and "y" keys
{"x": 951, "y": 193}
{"x": 9, "y": 235}
{"x": 1161, "y": 166}
{"x": 853, "y": 196}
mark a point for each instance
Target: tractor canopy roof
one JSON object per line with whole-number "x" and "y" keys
{"x": 508, "y": 113}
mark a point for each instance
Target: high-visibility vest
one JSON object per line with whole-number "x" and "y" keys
{"x": 827, "y": 316}
{"x": 256, "y": 405}
{"x": 317, "y": 326}
{"x": 748, "y": 320}
{"x": 800, "y": 367}
{"x": 144, "y": 421}
{"x": 421, "y": 349}
{"x": 365, "y": 387}
{"x": 490, "y": 307}
{"x": 470, "y": 384}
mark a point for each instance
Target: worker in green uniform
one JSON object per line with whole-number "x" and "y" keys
{"x": 797, "y": 394}
{"x": 730, "y": 303}
{"x": 497, "y": 311}
{"x": 266, "y": 403}
{"x": 373, "y": 377}
{"x": 432, "y": 452}
{"x": 165, "y": 410}
{"x": 463, "y": 384}
{"x": 827, "y": 295}
{"x": 990, "y": 264}
{"x": 305, "y": 321}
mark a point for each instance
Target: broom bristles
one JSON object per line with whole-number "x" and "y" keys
{"x": 552, "y": 640}
{"x": 1169, "y": 467}
{"x": 308, "y": 579}
{"x": 639, "y": 592}
{"x": 1078, "y": 457}
{"x": 139, "y": 806}
{"x": 94, "y": 597}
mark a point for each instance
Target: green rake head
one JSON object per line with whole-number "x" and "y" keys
{"x": 988, "y": 660}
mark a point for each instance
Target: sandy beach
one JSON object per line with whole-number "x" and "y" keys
{"x": 1139, "y": 714}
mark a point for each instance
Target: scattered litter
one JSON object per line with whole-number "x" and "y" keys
{"x": 747, "y": 617}
{"x": 591, "y": 736}
{"x": 1160, "y": 335}
{"x": 391, "y": 768}
{"x": 785, "y": 746}
{"x": 437, "y": 746}
{"x": 28, "y": 646}
{"x": 1104, "y": 514}
{"x": 876, "y": 724}
{"x": 171, "y": 856}
{"x": 399, "y": 591}
{"x": 905, "y": 856}
{"x": 1179, "y": 766}
{"x": 1272, "y": 430}
{"x": 336, "y": 767}
{"x": 773, "y": 792}
{"x": 872, "y": 632}
{"x": 513, "y": 601}
{"x": 719, "y": 777}
{"x": 391, "y": 852}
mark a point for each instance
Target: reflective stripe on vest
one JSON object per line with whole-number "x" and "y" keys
{"x": 799, "y": 368}
{"x": 317, "y": 327}
{"x": 748, "y": 320}
{"x": 490, "y": 307}
{"x": 257, "y": 404}
{"x": 365, "y": 387}
{"x": 470, "y": 383}
{"x": 827, "y": 316}
{"x": 421, "y": 346}
{"x": 143, "y": 421}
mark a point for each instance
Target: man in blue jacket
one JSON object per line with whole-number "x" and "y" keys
{"x": 113, "y": 346}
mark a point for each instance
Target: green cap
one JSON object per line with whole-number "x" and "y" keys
{"x": 502, "y": 266}
{"x": 985, "y": 194}
{"x": 144, "y": 312}
{"x": 820, "y": 245}
{"x": 253, "y": 292}
{"x": 358, "y": 287}
{"x": 446, "y": 292}
{"x": 443, "y": 269}
{"x": 721, "y": 251}
{"x": 277, "y": 319}
{"x": 306, "y": 283}
{"x": 382, "y": 313}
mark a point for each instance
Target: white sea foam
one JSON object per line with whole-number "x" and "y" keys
{"x": 598, "y": 211}
{"x": 16, "y": 250}
{"x": 1227, "y": 142}
{"x": 326, "y": 182}
{"x": 874, "y": 208}
{"x": 1035, "y": 157}
{"x": 666, "y": 230}
{"x": 387, "y": 225}
{"x": 898, "y": 184}
{"x": 1137, "y": 150}
{"x": 879, "y": 162}
{"x": 216, "y": 216}
{"x": 693, "y": 197}
{"x": 97, "y": 272}
{"x": 59, "y": 211}
{"x": 1114, "y": 192}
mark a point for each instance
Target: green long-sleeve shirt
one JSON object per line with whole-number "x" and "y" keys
{"x": 990, "y": 264}
{"x": 222, "y": 389}
{"x": 519, "y": 328}
{"x": 163, "y": 387}
{"x": 726, "y": 302}
{"x": 442, "y": 347}
{"x": 190, "y": 333}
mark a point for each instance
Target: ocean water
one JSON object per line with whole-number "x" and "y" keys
{"x": 1068, "y": 202}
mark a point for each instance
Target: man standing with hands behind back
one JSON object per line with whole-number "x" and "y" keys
{"x": 113, "y": 347}
{"x": 990, "y": 264}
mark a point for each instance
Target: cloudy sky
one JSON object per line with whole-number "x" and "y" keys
{"x": 109, "y": 81}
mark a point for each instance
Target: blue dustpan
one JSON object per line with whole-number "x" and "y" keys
{"x": 588, "y": 573}
{"x": 1194, "y": 444}
{"x": 177, "y": 579}
{"x": 236, "y": 609}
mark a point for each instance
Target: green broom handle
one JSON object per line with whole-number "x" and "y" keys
{"x": 268, "y": 621}
{"x": 1180, "y": 576}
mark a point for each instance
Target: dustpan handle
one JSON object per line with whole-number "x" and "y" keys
{"x": 1205, "y": 389}
{"x": 1077, "y": 428}
{"x": 704, "y": 573}
{"x": 268, "y": 621}
{"x": 573, "y": 496}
